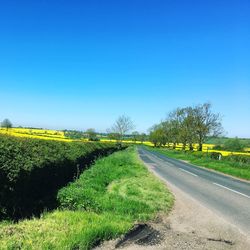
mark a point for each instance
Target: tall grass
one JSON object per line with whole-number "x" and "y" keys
{"x": 102, "y": 204}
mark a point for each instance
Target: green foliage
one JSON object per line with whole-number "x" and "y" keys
{"x": 187, "y": 125}
{"x": 215, "y": 155}
{"x": 243, "y": 159}
{"x": 116, "y": 184}
{"x": 103, "y": 204}
{"x": 62, "y": 230}
{"x": 218, "y": 147}
{"x": 236, "y": 165}
{"x": 91, "y": 135}
{"x": 73, "y": 134}
{"x": 6, "y": 123}
{"x": 233, "y": 145}
{"x": 31, "y": 171}
{"x": 142, "y": 137}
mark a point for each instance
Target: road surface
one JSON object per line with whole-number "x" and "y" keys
{"x": 227, "y": 196}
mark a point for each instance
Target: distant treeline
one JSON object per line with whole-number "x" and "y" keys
{"x": 31, "y": 172}
{"x": 187, "y": 125}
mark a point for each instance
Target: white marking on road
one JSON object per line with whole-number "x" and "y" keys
{"x": 232, "y": 190}
{"x": 188, "y": 172}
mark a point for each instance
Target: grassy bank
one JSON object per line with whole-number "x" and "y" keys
{"x": 103, "y": 203}
{"x": 237, "y": 169}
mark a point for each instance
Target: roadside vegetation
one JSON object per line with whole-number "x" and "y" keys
{"x": 235, "y": 165}
{"x": 31, "y": 171}
{"x": 105, "y": 202}
{"x": 188, "y": 125}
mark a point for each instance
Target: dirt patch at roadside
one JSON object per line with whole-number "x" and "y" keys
{"x": 190, "y": 225}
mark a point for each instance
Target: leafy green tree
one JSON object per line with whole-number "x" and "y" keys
{"x": 6, "y": 123}
{"x": 174, "y": 123}
{"x": 73, "y": 134}
{"x": 187, "y": 125}
{"x": 187, "y": 133}
{"x": 206, "y": 123}
{"x": 157, "y": 135}
{"x": 233, "y": 145}
{"x": 135, "y": 136}
{"x": 91, "y": 134}
{"x": 114, "y": 136}
{"x": 142, "y": 137}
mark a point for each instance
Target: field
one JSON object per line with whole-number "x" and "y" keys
{"x": 56, "y": 135}
{"x": 36, "y": 133}
{"x": 105, "y": 202}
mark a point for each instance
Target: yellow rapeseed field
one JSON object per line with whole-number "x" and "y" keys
{"x": 36, "y": 133}
{"x": 48, "y": 134}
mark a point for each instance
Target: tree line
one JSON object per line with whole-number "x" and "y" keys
{"x": 188, "y": 125}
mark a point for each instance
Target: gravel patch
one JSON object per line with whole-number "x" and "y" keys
{"x": 190, "y": 225}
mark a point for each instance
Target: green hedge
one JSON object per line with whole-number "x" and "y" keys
{"x": 31, "y": 172}
{"x": 244, "y": 159}
{"x": 200, "y": 155}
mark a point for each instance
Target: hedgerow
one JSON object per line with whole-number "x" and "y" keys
{"x": 31, "y": 172}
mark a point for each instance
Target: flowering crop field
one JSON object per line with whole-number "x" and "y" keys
{"x": 57, "y": 135}
{"x": 209, "y": 148}
{"x": 46, "y": 134}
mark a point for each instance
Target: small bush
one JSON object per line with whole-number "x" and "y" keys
{"x": 233, "y": 145}
{"x": 215, "y": 155}
{"x": 239, "y": 158}
{"x": 199, "y": 154}
{"x": 218, "y": 147}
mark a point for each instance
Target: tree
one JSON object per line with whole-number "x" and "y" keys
{"x": 174, "y": 124}
{"x": 6, "y": 123}
{"x": 142, "y": 137}
{"x": 135, "y": 136}
{"x": 91, "y": 134}
{"x": 157, "y": 135}
{"x": 233, "y": 145}
{"x": 122, "y": 126}
{"x": 154, "y": 137}
{"x": 73, "y": 134}
{"x": 187, "y": 133}
{"x": 187, "y": 125}
{"x": 206, "y": 123}
{"x": 113, "y": 136}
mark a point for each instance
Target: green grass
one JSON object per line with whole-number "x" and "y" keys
{"x": 223, "y": 140}
{"x": 102, "y": 204}
{"x": 236, "y": 169}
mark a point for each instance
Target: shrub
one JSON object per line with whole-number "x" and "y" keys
{"x": 31, "y": 171}
{"x": 233, "y": 145}
{"x": 199, "y": 154}
{"x": 215, "y": 155}
{"x": 218, "y": 147}
{"x": 239, "y": 158}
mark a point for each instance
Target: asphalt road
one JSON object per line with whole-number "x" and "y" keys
{"x": 228, "y": 197}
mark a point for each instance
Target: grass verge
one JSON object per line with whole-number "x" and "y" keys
{"x": 237, "y": 169}
{"x": 102, "y": 204}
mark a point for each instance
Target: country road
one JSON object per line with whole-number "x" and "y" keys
{"x": 226, "y": 196}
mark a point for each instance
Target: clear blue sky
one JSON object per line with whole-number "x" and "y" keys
{"x": 80, "y": 64}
